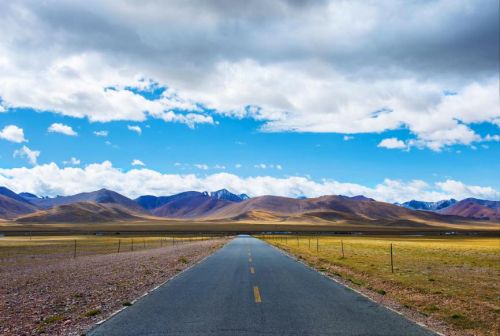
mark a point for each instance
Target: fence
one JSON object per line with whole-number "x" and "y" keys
{"x": 77, "y": 246}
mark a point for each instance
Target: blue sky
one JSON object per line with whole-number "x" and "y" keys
{"x": 218, "y": 106}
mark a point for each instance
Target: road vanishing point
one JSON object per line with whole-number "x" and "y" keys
{"x": 250, "y": 288}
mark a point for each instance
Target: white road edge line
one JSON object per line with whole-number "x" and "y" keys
{"x": 291, "y": 256}
{"x": 152, "y": 290}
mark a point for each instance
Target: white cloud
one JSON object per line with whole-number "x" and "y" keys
{"x": 317, "y": 81}
{"x": 73, "y": 161}
{"x": 30, "y": 155}
{"x": 101, "y": 133}
{"x": 201, "y": 166}
{"x": 238, "y": 165}
{"x": 460, "y": 190}
{"x": 220, "y": 167}
{"x": 62, "y": 129}
{"x": 348, "y": 137}
{"x": 50, "y": 179}
{"x": 12, "y": 133}
{"x": 135, "y": 129}
{"x": 392, "y": 143}
{"x": 137, "y": 163}
{"x": 268, "y": 166}
{"x": 190, "y": 119}
{"x": 490, "y": 137}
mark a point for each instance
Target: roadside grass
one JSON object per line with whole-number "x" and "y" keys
{"x": 18, "y": 250}
{"x": 451, "y": 279}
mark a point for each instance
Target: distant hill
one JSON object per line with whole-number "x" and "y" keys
{"x": 224, "y": 206}
{"x": 80, "y": 212}
{"x": 13, "y": 205}
{"x": 326, "y": 207}
{"x": 28, "y": 196}
{"x": 150, "y": 202}
{"x": 102, "y": 196}
{"x": 11, "y": 208}
{"x": 428, "y": 206}
{"x": 9, "y": 193}
{"x": 190, "y": 204}
{"x": 474, "y": 208}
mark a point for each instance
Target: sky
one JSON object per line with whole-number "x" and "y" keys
{"x": 395, "y": 100}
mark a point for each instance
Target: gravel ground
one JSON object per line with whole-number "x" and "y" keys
{"x": 67, "y": 297}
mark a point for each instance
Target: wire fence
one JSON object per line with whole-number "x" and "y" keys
{"x": 18, "y": 247}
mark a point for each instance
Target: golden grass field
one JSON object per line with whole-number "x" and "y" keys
{"x": 23, "y": 249}
{"x": 451, "y": 279}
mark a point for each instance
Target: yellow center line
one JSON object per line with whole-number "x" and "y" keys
{"x": 252, "y": 270}
{"x": 256, "y": 294}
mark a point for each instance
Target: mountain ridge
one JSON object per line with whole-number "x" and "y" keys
{"x": 109, "y": 205}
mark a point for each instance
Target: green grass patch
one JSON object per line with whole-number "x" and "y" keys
{"x": 52, "y": 319}
{"x": 93, "y": 312}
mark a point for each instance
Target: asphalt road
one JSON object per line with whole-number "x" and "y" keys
{"x": 250, "y": 288}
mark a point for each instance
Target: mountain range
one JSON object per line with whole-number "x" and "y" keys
{"x": 107, "y": 206}
{"x": 469, "y": 208}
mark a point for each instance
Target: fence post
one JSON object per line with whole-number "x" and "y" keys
{"x": 298, "y": 244}
{"x": 119, "y": 245}
{"x": 144, "y": 243}
{"x": 132, "y": 246}
{"x": 309, "y": 242}
{"x": 392, "y": 263}
{"x": 74, "y": 250}
{"x": 342, "y": 247}
{"x": 317, "y": 244}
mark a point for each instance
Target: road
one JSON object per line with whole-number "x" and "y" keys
{"x": 250, "y": 288}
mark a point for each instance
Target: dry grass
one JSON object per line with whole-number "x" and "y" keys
{"x": 451, "y": 279}
{"x": 17, "y": 250}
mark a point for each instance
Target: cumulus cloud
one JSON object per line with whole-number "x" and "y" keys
{"x": 136, "y": 162}
{"x": 101, "y": 133}
{"x": 106, "y": 60}
{"x": 135, "y": 129}
{"x": 27, "y": 153}
{"x": 62, "y": 129}
{"x": 392, "y": 143}
{"x": 12, "y": 133}
{"x": 50, "y": 179}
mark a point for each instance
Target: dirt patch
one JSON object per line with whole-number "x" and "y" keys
{"x": 67, "y": 297}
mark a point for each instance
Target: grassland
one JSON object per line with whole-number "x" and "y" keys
{"x": 17, "y": 250}
{"x": 450, "y": 279}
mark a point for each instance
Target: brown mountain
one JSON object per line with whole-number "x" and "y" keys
{"x": 474, "y": 208}
{"x": 102, "y": 196}
{"x": 190, "y": 204}
{"x": 13, "y": 205}
{"x": 11, "y": 208}
{"x": 81, "y": 212}
{"x": 325, "y": 209}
